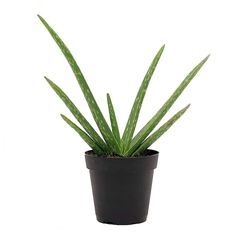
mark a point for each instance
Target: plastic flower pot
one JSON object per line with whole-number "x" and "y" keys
{"x": 121, "y": 186}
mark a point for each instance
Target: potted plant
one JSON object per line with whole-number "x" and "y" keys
{"x": 121, "y": 167}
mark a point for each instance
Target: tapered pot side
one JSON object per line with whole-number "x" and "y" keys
{"x": 121, "y": 186}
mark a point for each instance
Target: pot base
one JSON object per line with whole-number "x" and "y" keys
{"x": 123, "y": 221}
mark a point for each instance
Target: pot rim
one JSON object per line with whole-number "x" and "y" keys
{"x": 146, "y": 154}
{"x": 119, "y": 164}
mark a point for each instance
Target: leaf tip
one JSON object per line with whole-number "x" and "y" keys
{"x": 108, "y": 96}
{"x": 205, "y": 59}
{"x": 162, "y": 48}
{"x": 207, "y": 56}
{"x": 185, "y": 108}
{"x": 46, "y": 78}
{"x": 63, "y": 117}
{"x": 40, "y": 17}
{"x": 188, "y": 106}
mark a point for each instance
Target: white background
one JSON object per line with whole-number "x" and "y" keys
{"x": 44, "y": 185}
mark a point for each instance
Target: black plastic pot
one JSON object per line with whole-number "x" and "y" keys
{"x": 121, "y": 186}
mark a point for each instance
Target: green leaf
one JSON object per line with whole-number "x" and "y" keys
{"x": 133, "y": 117}
{"x": 152, "y": 138}
{"x": 83, "y": 135}
{"x": 114, "y": 124}
{"x": 152, "y": 123}
{"x": 77, "y": 114}
{"x": 95, "y": 110}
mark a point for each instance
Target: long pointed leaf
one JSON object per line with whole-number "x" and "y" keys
{"x": 77, "y": 114}
{"x": 114, "y": 124}
{"x": 152, "y": 138}
{"x": 146, "y": 130}
{"x": 95, "y": 110}
{"x": 83, "y": 135}
{"x": 133, "y": 117}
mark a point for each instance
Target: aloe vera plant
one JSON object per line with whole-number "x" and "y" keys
{"x": 110, "y": 141}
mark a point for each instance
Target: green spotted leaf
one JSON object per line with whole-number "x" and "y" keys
{"x": 152, "y": 138}
{"x": 78, "y": 115}
{"x": 134, "y": 114}
{"x": 110, "y": 142}
{"x": 94, "y": 108}
{"x": 114, "y": 124}
{"x": 153, "y": 122}
{"x": 84, "y": 136}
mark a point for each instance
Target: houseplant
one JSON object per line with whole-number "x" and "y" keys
{"x": 121, "y": 168}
